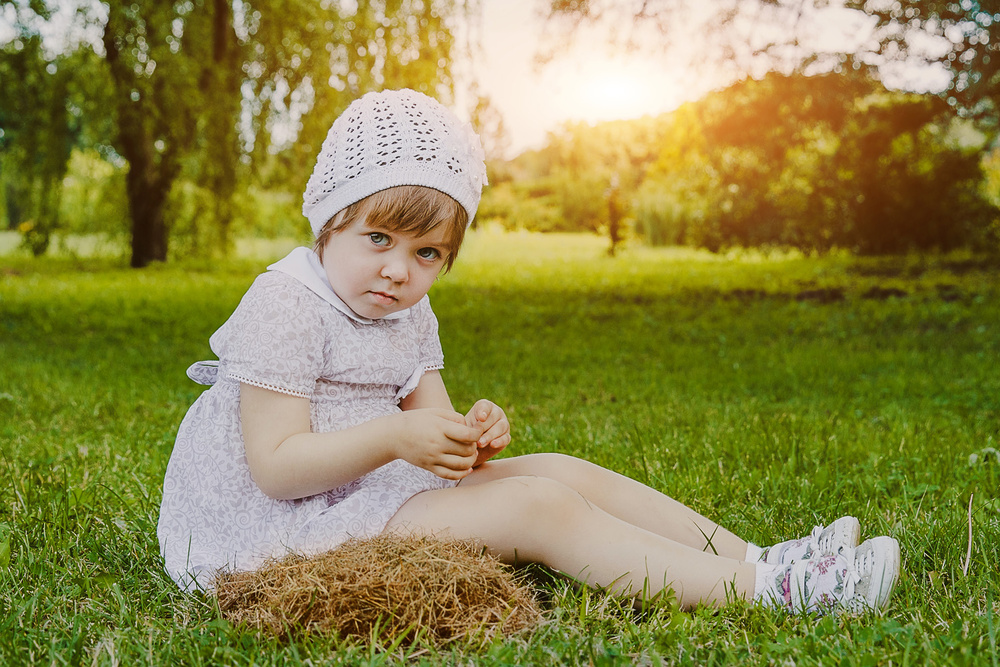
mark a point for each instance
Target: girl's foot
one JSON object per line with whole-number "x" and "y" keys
{"x": 852, "y": 581}
{"x": 844, "y": 533}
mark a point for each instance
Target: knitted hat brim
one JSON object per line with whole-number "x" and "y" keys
{"x": 388, "y": 177}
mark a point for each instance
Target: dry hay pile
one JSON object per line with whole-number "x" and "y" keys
{"x": 386, "y": 586}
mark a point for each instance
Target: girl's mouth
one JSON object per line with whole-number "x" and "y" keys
{"x": 384, "y": 298}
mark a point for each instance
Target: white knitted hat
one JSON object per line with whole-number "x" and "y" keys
{"x": 395, "y": 137}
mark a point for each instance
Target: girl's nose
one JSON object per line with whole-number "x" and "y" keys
{"x": 395, "y": 269}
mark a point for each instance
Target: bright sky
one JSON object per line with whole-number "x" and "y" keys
{"x": 588, "y": 83}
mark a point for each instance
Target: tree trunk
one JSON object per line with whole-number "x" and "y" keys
{"x": 614, "y": 215}
{"x": 147, "y": 197}
{"x": 221, "y": 81}
{"x": 151, "y": 172}
{"x": 147, "y": 185}
{"x": 14, "y": 196}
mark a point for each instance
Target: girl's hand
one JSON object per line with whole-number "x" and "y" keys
{"x": 495, "y": 429}
{"x": 440, "y": 441}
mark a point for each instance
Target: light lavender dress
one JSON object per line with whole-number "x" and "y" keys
{"x": 286, "y": 338}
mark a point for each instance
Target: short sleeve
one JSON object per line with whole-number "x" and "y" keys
{"x": 431, "y": 355}
{"x": 274, "y": 339}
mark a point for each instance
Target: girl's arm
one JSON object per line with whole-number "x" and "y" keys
{"x": 430, "y": 393}
{"x": 287, "y": 460}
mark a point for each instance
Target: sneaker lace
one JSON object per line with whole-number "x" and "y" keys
{"x": 814, "y": 540}
{"x": 856, "y": 566}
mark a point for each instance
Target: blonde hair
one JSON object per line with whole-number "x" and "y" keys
{"x": 413, "y": 209}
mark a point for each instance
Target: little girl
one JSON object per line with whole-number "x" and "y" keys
{"x": 328, "y": 418}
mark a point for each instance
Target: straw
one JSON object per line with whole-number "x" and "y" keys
{"x": 383, "y": 586}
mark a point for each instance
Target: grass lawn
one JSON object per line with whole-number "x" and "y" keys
{"x": 769, "y": 392}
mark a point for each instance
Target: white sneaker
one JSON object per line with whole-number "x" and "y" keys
{"x": 844, "y": 533}
{"x": 851, "y": 581}
{"x": 876, "y": 566}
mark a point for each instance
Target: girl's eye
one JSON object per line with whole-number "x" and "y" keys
{"x": 429, "y": 254}
{"x": 378, "y": 238}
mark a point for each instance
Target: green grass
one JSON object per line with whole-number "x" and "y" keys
{"x": 726, "y": 382}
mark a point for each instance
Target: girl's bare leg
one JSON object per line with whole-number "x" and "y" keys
{"x": 536, "y": 519}
{"x": 622, "y": 497}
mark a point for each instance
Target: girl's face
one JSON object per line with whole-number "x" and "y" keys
{"x": 377, "y": 272}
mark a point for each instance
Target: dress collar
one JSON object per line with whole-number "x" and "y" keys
{"x": 304, "y": 265}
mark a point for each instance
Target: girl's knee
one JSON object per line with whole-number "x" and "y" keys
{"x": 554, "y": 465}
{"x": 580, "y": 474}
{"x": 552, "y": 460}
{"x": 531, "y": 498}
{"x": 543, "y": 521}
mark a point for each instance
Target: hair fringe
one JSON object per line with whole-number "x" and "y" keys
{"x": 411, "y": 209}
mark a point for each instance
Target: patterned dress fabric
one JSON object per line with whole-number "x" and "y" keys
{"x": 286, "y": 338}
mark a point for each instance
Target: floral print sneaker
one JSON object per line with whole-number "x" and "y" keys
{"x": 852, "y": 581}
{"x": 844, "y": 533}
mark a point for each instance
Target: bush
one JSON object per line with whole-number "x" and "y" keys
{"x": 93, "y": 197}
{"x": 660, "y": 216}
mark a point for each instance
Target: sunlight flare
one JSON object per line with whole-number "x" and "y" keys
{"x": 598, "y": 88}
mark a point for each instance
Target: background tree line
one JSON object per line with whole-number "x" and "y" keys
{"x": 175, "y": 127}
{"x": 809, "y": 149}
{"x": 811, "y": 162}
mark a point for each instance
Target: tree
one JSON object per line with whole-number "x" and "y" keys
{"x": 883, "y": 40}
{"x": 38, "y": 128}
{"x": 960, "y": 37}
{"x": 210, "y": 90}
{"x": 814, "y": 163}
{"x": 198, "y": 72}
{"x": 156, "y": 104}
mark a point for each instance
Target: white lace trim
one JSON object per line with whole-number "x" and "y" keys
{"x": 270, "y": 387}
{"x": 434, "y": 367}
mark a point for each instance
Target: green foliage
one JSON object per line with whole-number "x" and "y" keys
{"x": 865, "y": 167}
{"x": 41, "y": 119}
{"x": 521, "y": 206}
{"x": 963, "y": 33}
{"x": 255, "y": 213}
{"x": 93, "y": 197}
{"x": 813, "y": 163}
{"x": 271, "y": 214}
{"x": 205, "y": 100}
{"x": 661, "y": 215}
{"x": 575, "y": 180}
{"x": 885, "y": 185}
{"x": 93, "y": 205}
{"x": 706, "y": 376}
{"x": 917, "y": 186}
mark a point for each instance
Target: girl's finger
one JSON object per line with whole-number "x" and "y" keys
{"x": 448, "y": 473}
{"x": 497, "y": 430}
{"x": 454, "y": 417}
{"x": 500, "y": 442}
{"x": 482, "y": 409}
{"x": 463, "y": 432}
{"x": 457, "y": 463}
{"x": 453, "y": 447}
